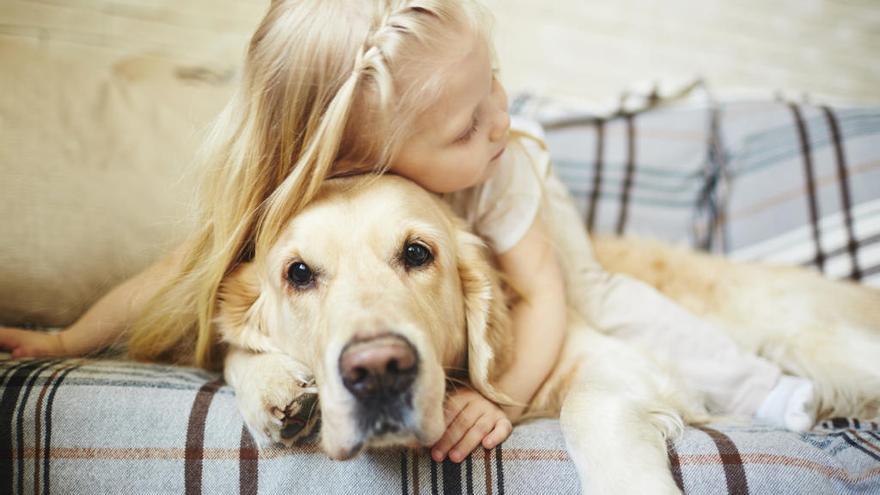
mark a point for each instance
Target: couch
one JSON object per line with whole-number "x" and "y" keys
{"x": 94, "y": 186}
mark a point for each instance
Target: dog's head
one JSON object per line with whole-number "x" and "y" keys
{"x": 381, "y": 290}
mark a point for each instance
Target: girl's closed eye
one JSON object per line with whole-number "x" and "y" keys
{"x": 468, "y": 134}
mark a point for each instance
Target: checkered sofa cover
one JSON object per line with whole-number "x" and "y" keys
{"x": 773, "y": 180}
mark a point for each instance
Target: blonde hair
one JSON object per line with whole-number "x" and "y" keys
{"x": 321, "y": 91}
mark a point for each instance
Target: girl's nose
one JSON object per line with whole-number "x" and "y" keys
{"x": 500, "y": 125}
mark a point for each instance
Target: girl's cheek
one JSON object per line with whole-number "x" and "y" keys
{"x": 478, "y": 148}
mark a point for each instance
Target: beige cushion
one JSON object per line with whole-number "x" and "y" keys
{"x": 94, "y": 155}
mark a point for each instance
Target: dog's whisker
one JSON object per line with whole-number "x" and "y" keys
{"x": 456, "y": 380}
{"x": 453, "y": 385}
{"x": 455, "y": 368}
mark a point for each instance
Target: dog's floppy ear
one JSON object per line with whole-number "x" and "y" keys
{"x": 489, "y": 341}
{"x": 240, "y": 305}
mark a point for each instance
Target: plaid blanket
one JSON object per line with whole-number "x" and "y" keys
{"x": 80, "y": 426}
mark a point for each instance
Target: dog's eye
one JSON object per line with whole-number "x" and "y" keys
{"x": 300, "y": 275}
{"x": 416, "y": 255}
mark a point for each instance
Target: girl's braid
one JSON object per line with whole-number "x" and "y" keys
{"x": 372, "y": 58}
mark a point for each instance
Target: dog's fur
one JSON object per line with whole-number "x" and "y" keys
{"x": 617, "y": 405}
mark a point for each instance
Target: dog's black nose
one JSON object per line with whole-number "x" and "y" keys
{"x": 378, "y": 368}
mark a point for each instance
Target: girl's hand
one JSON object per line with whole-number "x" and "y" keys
{"x": 471, "y": 420}
{"x": 28, "y": 343}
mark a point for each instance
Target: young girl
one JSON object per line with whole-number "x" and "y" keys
{"x": 333, "y": 87}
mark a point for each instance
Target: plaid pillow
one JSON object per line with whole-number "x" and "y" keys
{"x": 804, "y": 186}
{"x": 755, "y": 179}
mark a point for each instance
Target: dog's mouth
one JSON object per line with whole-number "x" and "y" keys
{"x": 378, "y": 418}
{"x": 383, "y": 424}
{"x": 380, "y": 433}
{"x": 379, "y": 374}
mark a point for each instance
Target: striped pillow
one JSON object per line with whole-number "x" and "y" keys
{"x": 761, "y": 179}
{"x": 804, "y": 186}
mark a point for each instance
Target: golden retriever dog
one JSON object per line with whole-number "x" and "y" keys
{"x": 377, "y": 296}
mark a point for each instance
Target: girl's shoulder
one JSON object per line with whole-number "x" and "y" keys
{"x": 527, "y": 149}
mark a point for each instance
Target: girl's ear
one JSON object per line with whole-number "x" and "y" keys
{"x": 240, "y": 309}
{"x": 489, "y": 336}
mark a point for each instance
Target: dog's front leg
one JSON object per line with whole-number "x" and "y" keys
{"x": 274, "y": 393}
{"x": 615, "y": 422}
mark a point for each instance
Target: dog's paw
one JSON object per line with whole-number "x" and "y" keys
{"x": 278, "y": 400}
{"x": 298, "y": 420}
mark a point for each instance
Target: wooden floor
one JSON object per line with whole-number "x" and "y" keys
{"x": 583, "y": 49}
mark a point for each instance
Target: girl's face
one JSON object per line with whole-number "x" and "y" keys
{"x": 460, "y": 138}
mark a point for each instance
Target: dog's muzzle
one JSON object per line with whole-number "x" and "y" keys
{"x": 380, "y": 372}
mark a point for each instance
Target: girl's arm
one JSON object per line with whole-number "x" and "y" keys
{"x": 539, "y": 319}
{"x": 103, "y": 323}
{"x": 539, "y": 322}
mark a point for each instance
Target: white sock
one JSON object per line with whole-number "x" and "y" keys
{"x": 789, "y": 404}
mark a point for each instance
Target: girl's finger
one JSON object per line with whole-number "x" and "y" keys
{"x": 502, "y": 430}
{"x": 452, "y": 408}
{"x": 471, "y": 439}
{"x": 9, "y": 338}
{"x": 456, "y": 429}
